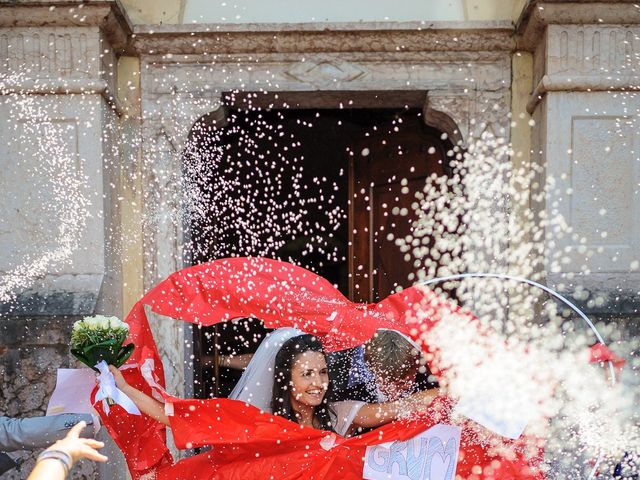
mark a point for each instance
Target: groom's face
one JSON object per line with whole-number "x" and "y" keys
{"x": 309, "y": 379}
{"x": 395, "y": 384}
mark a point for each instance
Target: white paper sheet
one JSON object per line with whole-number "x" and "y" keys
{"x": 431, "y": 455}
{"x": 73, "y": 391}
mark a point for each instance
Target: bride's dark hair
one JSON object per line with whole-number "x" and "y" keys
{"x": 281, "y": 398}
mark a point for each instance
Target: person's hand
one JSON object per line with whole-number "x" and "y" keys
{"x": 121, "y": 383}
{"x": 77, "y": 447}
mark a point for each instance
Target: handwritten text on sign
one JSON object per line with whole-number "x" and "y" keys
{"x": 432, "y": 455}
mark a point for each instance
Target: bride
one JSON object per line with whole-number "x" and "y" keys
{"x": 288, "y": 376}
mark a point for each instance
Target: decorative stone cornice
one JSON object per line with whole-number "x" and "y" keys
{"x": 211, "y": 39}
{"x": 538, "y": 14}
{"x": 62, "y": 86}
{"x": 395, "y": 37}
{"x": 109, "y": 15}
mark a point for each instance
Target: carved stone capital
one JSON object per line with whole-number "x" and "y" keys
{"x": 466, "y": 114}
{"x": 449, "y": 112}
{"x": 539, "y": 14}
{"x": 575, "y": 57}
{"x": 62, "y": 47}
{"x": 108, "y": 15}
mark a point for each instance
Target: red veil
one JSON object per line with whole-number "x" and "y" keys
{"x": 249, "y": 444}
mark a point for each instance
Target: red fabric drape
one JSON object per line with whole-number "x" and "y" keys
{"x": 250, "y": 444}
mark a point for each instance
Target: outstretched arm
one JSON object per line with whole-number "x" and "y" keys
{"x": 56, "y": 461}
{"x": 146, "y": 404}
{"x": 37, "y": 432}
{"x": 376, "y": 414}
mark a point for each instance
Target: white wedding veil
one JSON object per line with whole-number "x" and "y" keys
{"x": 256, "y": 384}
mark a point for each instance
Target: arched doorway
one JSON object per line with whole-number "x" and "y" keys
{"x": 357, "y": 171}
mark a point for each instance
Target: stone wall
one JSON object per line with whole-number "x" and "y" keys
{"x": 57, "y": 80}
{"x": 35, "y": 348}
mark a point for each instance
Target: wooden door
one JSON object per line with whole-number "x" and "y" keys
{"x": 386, "y": 170}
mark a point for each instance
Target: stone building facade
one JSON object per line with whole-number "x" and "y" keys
{"x": 127, "y": 94}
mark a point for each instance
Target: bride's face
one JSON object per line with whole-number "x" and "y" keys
{"x": 309, "y": 379}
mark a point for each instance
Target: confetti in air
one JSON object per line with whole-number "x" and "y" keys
{"x": 532, "y": 361}
{"x": 58, "y": 173}
{"x": 246, "y": 192}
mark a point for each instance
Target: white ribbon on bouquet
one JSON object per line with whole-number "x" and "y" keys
{"x": 107, "y": 389}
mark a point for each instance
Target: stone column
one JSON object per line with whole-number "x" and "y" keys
{"x": 587, "y": 139}
{"x": 169, "y": 112}
{"x": 168, "y": 115}
{"x": 59, "y": 190}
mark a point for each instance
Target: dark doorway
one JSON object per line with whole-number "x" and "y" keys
{"x": 387, "y": 167}
{"x": 354, "y": 169}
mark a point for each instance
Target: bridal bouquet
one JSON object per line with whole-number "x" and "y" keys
{"x": 98, "y": 338}
{"x": 98, "y": 342}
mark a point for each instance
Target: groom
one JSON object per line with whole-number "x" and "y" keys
{"x": 386, "y": 368}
